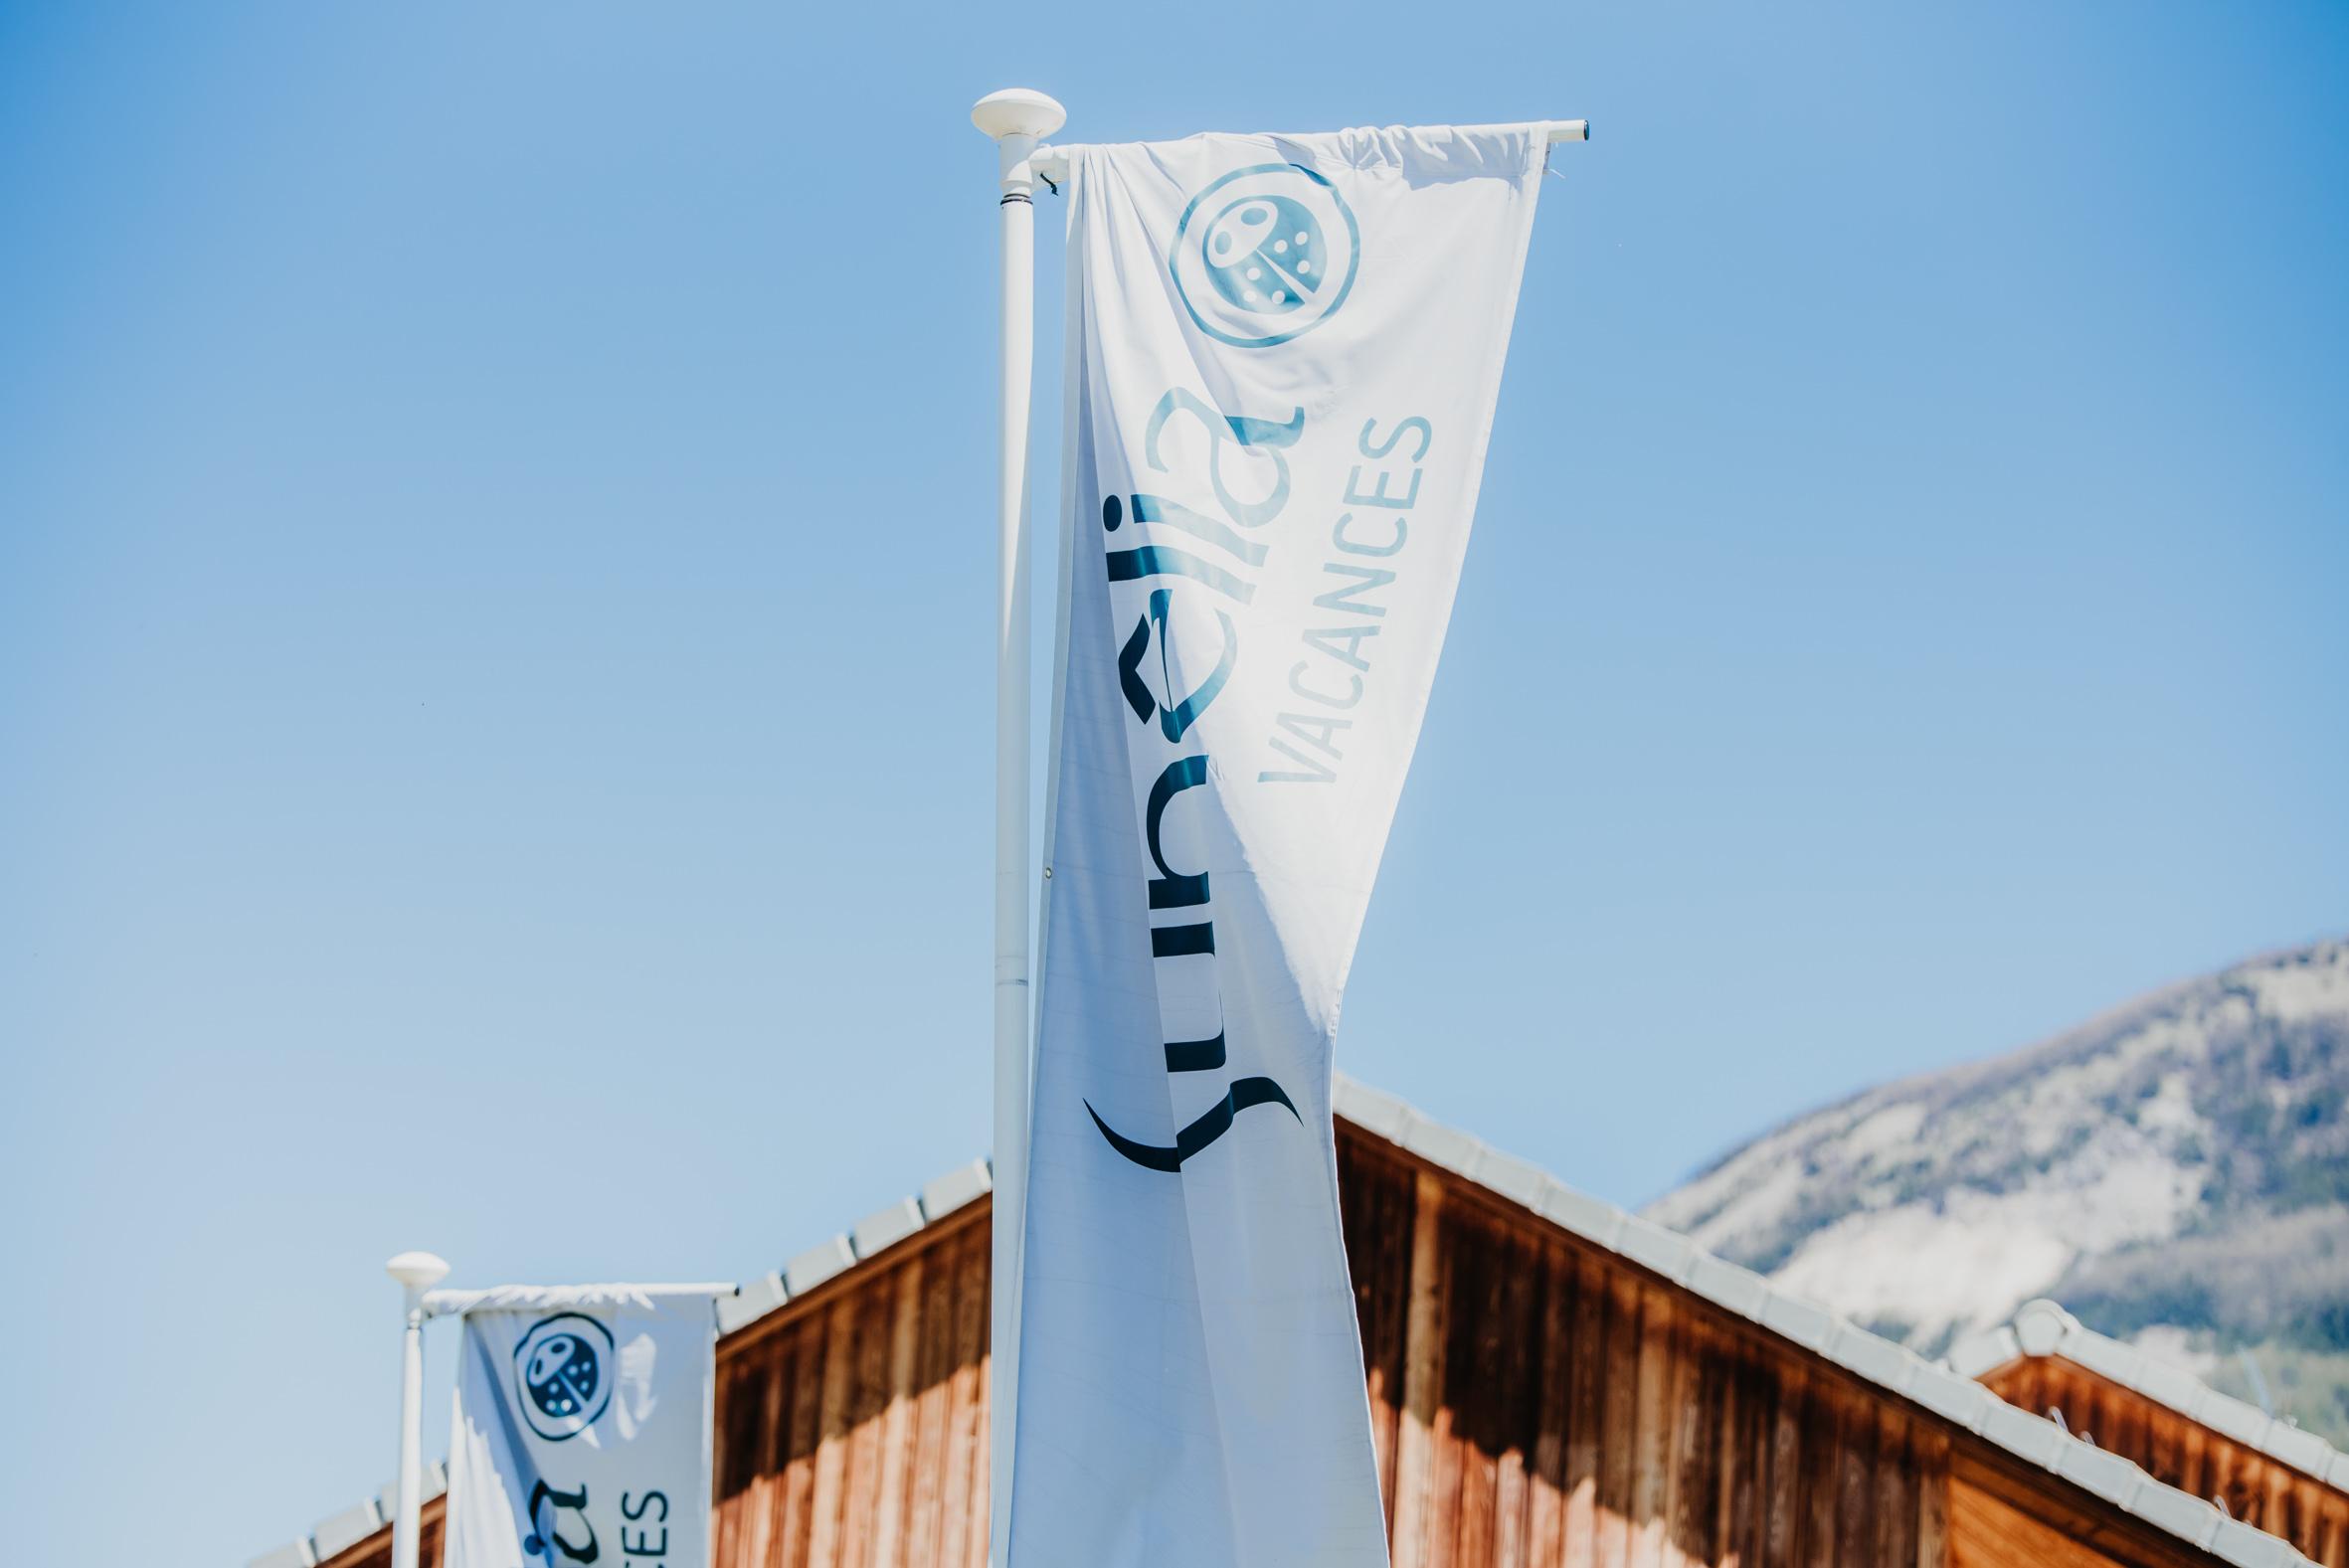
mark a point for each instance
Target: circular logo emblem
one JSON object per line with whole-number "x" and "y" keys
{"x": 560, "y": 1366}
{"x": 1265, "y": 254}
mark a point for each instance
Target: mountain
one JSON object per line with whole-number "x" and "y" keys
{"x": 2176, "y": 1172}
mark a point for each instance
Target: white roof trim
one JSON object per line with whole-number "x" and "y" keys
{"x": 1869, "y": 1357}
{"x": 2043, "y": 1328}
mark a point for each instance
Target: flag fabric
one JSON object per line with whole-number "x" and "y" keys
{"x": 583, "y": 1429}
{"x": 1283, "y": 358}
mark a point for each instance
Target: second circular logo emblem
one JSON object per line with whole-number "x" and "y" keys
{"x": 563, "y": 1366}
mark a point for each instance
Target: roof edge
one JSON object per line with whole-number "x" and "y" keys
{"x": 2043, "y": 1328}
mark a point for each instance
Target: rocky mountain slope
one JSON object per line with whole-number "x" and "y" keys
{"x": 2175, "y": 1171}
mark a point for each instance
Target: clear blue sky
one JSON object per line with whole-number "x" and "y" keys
{"x": 494, "y": 569}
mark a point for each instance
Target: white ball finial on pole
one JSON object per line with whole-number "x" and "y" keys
{"x": 417, "y": 1273}
{"x": 1018, "y": 112}
{"x": 1016, "y": 118}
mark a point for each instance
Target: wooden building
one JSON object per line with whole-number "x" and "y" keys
{"x": 2261, "y": 1470}
{"x": 1553, "y": 1384}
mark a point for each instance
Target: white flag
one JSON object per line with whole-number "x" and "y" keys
{"x": 583, "y": 1430}
{"x": 1283, "y": 359}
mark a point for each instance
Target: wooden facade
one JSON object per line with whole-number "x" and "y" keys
{"x": 2174, "y": 1448}
{"x": 1539, "y": 1402}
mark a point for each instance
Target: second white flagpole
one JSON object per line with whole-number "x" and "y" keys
{"x": 417, "y": 1273}
{"x": 1017, "y": 120}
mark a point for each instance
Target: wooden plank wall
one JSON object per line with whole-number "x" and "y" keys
{"x": 2173, "y": 1448}
{"x": 855, "y": 1436}
{"x": 1536, "y": 1402}
{"x": 1539, "y": 1403}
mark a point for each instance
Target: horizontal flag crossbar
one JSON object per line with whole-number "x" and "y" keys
{"x": 455, "y": 1304}
{"x": 1052, "y": 162}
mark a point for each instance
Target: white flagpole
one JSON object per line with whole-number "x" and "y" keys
{"x": 416, "y": 1272}
{"x": 1016, "y": 118}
